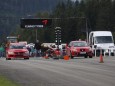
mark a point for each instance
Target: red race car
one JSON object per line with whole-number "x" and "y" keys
{"x": 79, "y": 48}
{"x": 16, "y": 50}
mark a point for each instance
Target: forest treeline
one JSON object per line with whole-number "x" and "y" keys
{"x": 75, "y": 19}
{"x": 12, "y": 10}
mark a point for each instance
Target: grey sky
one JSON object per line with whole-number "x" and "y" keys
{"x": 75, "y": 0}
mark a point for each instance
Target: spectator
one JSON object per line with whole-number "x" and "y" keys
{"x": 2, "y": 51}
{"x": 29, "y": 49}
{"x": 32, "y": 53}
{"x": 38, "y": 48}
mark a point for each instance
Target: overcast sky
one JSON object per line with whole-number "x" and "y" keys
{"x": 75, "y": 0}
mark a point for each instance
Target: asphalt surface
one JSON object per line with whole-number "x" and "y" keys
{"x": 49, "y": 72}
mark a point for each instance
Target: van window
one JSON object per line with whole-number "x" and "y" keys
{"x": 103, "y": 39}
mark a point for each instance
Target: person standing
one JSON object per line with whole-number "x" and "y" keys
{"x": 38, "y": 48}
{"x": 2, "y": 50}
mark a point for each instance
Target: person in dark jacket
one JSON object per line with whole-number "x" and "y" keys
{"x": 38, "y": 48}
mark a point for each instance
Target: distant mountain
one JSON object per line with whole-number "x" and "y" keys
{"x": 12, "y": 10}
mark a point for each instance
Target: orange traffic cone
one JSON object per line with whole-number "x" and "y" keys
{"x": 46, "y": 57}
{"x": 66, "y": 57}
{"x": 101, "y": 59}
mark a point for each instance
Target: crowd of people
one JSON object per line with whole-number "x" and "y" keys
{"x": 41, "y": 50}
{"x": 36, "y": 50}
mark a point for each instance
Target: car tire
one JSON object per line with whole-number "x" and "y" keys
{"x": 8, "y": 58}
{"x": 26, "y": 58}
{"x": 71, "y": 56}
{"x": 90, "y": 56}
{"x": 85, "y": 56}
{"x": 112, "y": 54}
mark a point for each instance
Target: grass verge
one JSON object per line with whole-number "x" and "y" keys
{"x": 6, "y": 82}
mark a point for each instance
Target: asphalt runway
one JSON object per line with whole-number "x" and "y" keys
{"x": 48, "y": 72}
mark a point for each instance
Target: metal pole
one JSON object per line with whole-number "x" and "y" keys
{"x": 86, "y": 31}
{"x": 95, "y": 52}
{"x": 36, "y": 35}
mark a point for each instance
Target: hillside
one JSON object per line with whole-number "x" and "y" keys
{"x": 12, "y": 10}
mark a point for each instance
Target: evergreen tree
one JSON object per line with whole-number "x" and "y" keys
{"x": 104, "y": 15}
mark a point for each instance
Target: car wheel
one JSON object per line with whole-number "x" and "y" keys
{"x": 112, "y": 54}
{"x": 98, "y": 54}
{"x": 71, "y": 56}
{"x": 90, "y": 56}
{"x": 8, "y": 58}
{"x": 26, "y": 58}
{"x": 85, "y": 56}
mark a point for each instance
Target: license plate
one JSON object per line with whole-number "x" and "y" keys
{"x": 82, "y": 52}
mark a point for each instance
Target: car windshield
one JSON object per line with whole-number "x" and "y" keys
{"x": 17, "y": 46}
{"x": 80, "y": 44}
{"x": 103, "y": 39}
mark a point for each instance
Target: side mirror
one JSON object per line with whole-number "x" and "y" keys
{"x": 95, "y": 46}
{"x": 24, "y": 48}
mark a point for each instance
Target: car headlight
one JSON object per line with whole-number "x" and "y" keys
{"x": 111, "y": 47}
{"x": 74, "y": 50}
{"x": 99, "y": 48}
{"x": 90, "y": 49}
{"x": 10, "y": 52}
{"x": 26, "y": 53}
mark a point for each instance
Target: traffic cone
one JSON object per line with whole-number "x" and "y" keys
{"x": 66, "y": 57}
{"x": 101, "y": 58}
{"x": 46, "y": 57}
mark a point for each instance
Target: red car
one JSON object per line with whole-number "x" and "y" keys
{"x": 17, "y": 50}
{"x": 79, "y": 48}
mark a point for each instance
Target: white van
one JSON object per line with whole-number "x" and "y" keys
{"x": 102, "y": 40}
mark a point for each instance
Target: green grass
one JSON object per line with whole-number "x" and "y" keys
{"x": 6, "y": 82}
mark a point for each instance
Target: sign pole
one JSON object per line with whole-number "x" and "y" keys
{"x": 36, "y": 35}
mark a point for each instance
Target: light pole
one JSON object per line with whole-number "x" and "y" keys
{"x": 86, "y": 31}
{"x": 36, "y": 35}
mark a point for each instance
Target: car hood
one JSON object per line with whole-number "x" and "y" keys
{"x": 81, "y": 47}
{"x": 18, "y": 50}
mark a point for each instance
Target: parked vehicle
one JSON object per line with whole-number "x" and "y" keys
{"x": 79, "y": 48}
{"x": 17, "y": 50}
{"x": 102, "y": 40}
